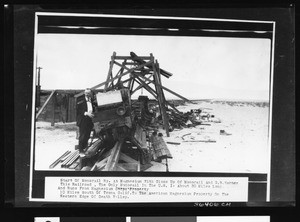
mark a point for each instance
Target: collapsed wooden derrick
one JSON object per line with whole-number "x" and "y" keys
{"x": 137, "y": 131}
{"x": 137, "y": 72}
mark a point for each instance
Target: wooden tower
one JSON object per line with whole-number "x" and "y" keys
{"x": 137, "y": 72}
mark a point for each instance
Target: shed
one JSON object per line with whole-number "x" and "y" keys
{"x": 57, "y": 106}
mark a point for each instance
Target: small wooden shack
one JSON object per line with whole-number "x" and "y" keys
{"x": 56, "y": 106}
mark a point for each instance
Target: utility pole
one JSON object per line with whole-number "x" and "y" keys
{"x": 39, "y": 75}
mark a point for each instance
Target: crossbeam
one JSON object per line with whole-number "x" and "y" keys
{"x": 165, "y": 88}
{"x": 116, "y": 77}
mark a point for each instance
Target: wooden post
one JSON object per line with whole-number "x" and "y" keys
{"x": 163, "y": 97}
{"x": 53, "y": 111}
{"x": 161, "y": 101}
{"x": 38, "y": 96}
{"x": 109, "y": 75}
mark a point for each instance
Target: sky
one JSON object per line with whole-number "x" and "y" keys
{"x": 202, "y": 67}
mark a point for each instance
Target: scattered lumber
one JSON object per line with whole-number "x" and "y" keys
{"x": 59, "y": 159}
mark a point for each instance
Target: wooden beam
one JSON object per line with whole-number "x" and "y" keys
{"x": 160, "y": 97}
{"x": 133, "y": 167}
{"x": 114, "y": 157}
{"x": 127, "y": 159}
{"x": 148, "y": 88}
{"x": 139, "y": 87}
{"x": 109, "y": 75}
{"x": 131, "y": 86}
{"x": 173, "y": 107}
{"x": 145, "y": 86}
{"x": 165, "y": 88}
{"x": 99, "y": 165}
{"x": 116, "y": 77}
{"x": 59, "y": 159}
{"x": 41, "y": 109}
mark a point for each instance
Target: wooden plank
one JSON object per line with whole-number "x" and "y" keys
{"x": 128, "y": 167}
{"x": 59, "y": 159}
{"x": 45, "y": 104}
{"x": 99, "y": 165}
{"x": 127, "y": 159}
{"x": 170, "y": 91}
{"x": 114, "y": 157}
{"x": 173, "y": 107}
{"x": 69, "y": 158}
{"x": 72, "y": 160}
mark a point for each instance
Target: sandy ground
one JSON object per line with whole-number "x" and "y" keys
{"x": 245, "y": 150}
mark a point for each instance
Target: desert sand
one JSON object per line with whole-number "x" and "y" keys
{"x": 244, "y": 149}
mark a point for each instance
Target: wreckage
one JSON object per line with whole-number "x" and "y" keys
{"x": 127, "y": 133}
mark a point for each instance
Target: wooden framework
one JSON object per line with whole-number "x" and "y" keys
{"x": 137, "y": 72}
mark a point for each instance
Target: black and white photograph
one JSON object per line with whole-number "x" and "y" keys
{"x": 158, "y": 97}
{"x": 158, "y": 103}
{"x": 153, "y": 107}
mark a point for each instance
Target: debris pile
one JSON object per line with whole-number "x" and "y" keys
{"x": 126, "y": 131}
{"x": 191, "y": 118}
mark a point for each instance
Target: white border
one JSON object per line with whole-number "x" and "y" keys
{"x": 270, "y": 114}
{"x": 148, "y": 17}
{"x": 33, "y": 106}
